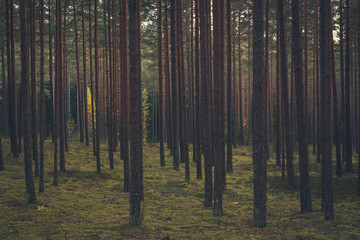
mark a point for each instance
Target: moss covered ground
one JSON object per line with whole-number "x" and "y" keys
{"x": 89, "y": 205}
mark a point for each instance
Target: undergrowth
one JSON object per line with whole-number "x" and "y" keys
{"x": 89, "y": 205}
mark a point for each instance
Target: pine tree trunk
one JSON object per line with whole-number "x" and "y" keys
{"x": 97, "y": 94}
{"x": 325, "y": 73}
{"x": 136, "y": 153}
{"x": 229, "y": 167}
{"x": 302, "y": 134}
{"x": 25, "y": 83}
{"x": 174, "y": 86}
{"x": 259, "y": 154}
{"x": 218, "y": 82}
{"x": 42, "y": 97}
{"x": 348, "y": 138}
{"x": 161, "y": 94}
{"x": 205, "y": 99}
{"x": 197, "y": 92}
{"x": 284, "y": 82}
{"x": 124, "y": 94}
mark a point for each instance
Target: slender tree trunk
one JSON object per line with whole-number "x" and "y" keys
{"x": 279, "y": 117}
{"x": 33, "y": 87}
{"x": 84, "y": 99}
{"x": 284, "y": 80}
{"x": 348, "y": 138}
{"x": 197, "y": 92}
{"x": 136, "y": 153}
{"x": 161, "y": 94}
{"x": 4, "y": 93}
{"x": 13, "y": 118}
{"x": 302, "y": 133}
{"x": 205, "y": 99}
{"x": 229, "y": 167}
{"x": 241, "y": 142}
{"x": 124, "y": 142}
{"x": 92, "y": 86}
{"x": 51, "y": 75}
{"x": 325, "y": 70}
{"x": 266, "y": 75}
{"x": 174, "y": 85}
{"x": 79, "y": 92}
{"x": 259, "y": 154}
{"x": 217, "y": 208}
{"x": 30, "y": 188}
{"x": 97, "y": 94}
{"x": 169, "y": 134}
{"x": 42, "y": 97}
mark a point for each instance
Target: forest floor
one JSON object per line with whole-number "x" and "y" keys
{"x": 90, "y": 205}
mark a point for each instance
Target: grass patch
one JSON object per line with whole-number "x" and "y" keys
{"x": 88, "y": 205}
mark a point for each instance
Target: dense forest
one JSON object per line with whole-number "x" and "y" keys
{"x": 135, "y": 119}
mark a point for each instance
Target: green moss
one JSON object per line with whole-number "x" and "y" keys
{"x": 88, "y": 205}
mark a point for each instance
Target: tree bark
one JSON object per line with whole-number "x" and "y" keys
{"x": 302, "y": 134}
{"x": 259, "y": 161}
{"x": 42, "y": 98}
{"x": 30, "y": 189}
{"x": 284, "y": 81}
{"x": 136, "y": 153}
{"x": 97, "y": 94}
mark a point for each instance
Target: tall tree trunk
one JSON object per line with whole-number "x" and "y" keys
{"x": 4, "y": 93}
{"x": 229, "y": 167}
{"x": 284, "y": 81}
{"x": 325, "y": 73}
{"x": 348, "y": 138}
{"x": 241, "y": 142}
{"x": 13, "y": 118}
{"x": 218, "y": 82}
{"x": 205, "y": 99}
{"x": 266, "y": 76}
{"x": 30, "y": 189}
{"x": 92, "y": 85}
{"x": 42, "y": 97}
{"x": 174, "y": 86}
{"x": 184, "y": 146}
{"x": 136, "y": 153}
{"x": 124, "y": 142}
{"x": 169, "y": 128}
{"x": 279, "y": 115}
{"x": 79, "y": 91}
{"x": 302, "y": 134}
{"x": 259, "y": 154}
{"x": 161, "y": 94}
{"x": 33, "y": 87}
{"x": 197, "y": 92}
{"x": 84, "y": 99}
{"x": 51, "y": 75}
{"x": 97, "y": 94}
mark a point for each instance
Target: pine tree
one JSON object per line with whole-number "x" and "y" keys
{"x": 136, "y": 153}
{"x": 25, "y": 83}
{"x": 259, "y": 161}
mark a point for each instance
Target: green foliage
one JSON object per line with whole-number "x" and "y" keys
{"x": 88, "y": 205}
{"x": 145, "y": 104}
